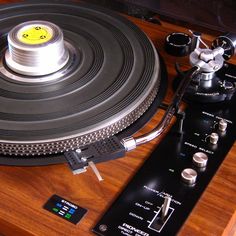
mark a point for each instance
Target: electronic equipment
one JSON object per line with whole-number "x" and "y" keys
{"x": 77, "y": 81}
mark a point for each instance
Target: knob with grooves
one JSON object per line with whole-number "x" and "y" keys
{"x": 200, "y": 159}
{"x": 222, "y": 125}
{"x": 189, "y": 176}
{"x": 214, "y": 137}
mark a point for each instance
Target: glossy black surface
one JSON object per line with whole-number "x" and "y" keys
{"x": 212, "y": 14}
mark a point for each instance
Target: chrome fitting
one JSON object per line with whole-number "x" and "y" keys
{"x": 129, "y": 143}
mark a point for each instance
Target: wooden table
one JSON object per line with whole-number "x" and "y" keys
{"x": 24, "y": 190}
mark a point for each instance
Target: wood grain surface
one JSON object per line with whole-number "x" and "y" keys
{"x": 24, "y": 190}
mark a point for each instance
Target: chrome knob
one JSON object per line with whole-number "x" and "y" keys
{"x": 189, "y": 176}
{"x": 214, "y": 137}
{"x": 222, "y": 125}
{"x": 200, "y": 159}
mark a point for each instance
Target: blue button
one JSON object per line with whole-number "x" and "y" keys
{"x": 72, "y": 211}
{"x": 59, "y": 205}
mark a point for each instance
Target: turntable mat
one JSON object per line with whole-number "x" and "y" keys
{"x": 114, "y": 78}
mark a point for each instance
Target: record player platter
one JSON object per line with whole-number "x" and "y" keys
{"x": 70, "y": 74}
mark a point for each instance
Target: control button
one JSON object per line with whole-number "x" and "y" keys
{"x": 189, "y": 176}
{"x": 178, "y": 44}
{"x": 200, "y": 159}
{"x": 214, "y": 137}
{"x": 162, "y": 216}
{"x": 223, "y": 125}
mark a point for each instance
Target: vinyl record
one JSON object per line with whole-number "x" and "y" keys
{"x": 108, "y": 77}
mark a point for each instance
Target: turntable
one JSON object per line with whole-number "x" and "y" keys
{"x": 77, "y": 83}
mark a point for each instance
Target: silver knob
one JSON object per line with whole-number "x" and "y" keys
{"x": 214, "y": 137}
{"x": 189, "y": 176}
{"x": 200, "y": 159}
{"x": 223, "y": 125}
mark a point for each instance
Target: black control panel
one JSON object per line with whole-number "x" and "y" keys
{"x": 161, "y": 195}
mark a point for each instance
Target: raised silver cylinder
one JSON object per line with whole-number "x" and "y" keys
{"x": 36, "y": 48}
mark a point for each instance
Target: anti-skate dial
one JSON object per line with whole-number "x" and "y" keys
{"x": 228, "y": 43}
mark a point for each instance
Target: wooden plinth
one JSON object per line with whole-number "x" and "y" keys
{"x": 24, "y": 190}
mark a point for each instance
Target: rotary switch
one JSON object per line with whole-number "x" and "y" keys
{"x": 214, "y": 137}
{"x": 222, "y": 125}
{"x": 200, "y": 159}
{"x": 189, "y": 176}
